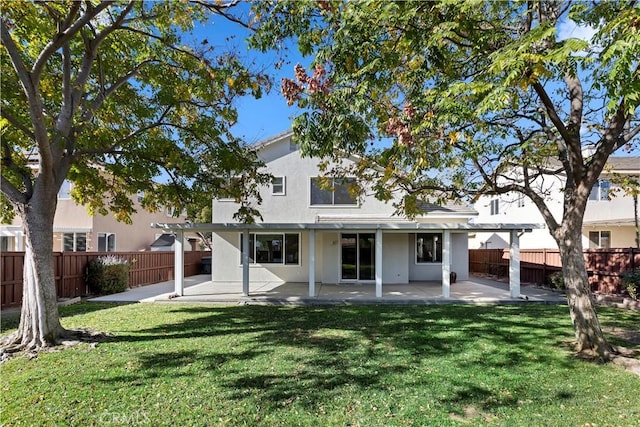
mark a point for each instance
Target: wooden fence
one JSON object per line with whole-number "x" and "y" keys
{"x": 604, "y": 266}
{"x": 146, "y": 268}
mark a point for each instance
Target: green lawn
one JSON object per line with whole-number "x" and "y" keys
{"x": 172, "y": 364}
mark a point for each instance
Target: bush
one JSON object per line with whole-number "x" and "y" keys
{"x": 631, "y": 282}
{"x": 108, "y": 275}
{"x": 556, "y": 280}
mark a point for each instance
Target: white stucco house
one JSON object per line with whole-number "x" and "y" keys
{"x": 608, "y": 219}
{"x": 315, "y": 233}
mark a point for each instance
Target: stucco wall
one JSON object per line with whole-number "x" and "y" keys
{"x": 294, "y": 205}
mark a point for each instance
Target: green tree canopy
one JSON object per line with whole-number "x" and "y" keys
{"x": 477, "y": 98}
{"x": 118, "y": 97}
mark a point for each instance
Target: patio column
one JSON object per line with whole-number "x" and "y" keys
{"x": 178, "y": 263}
{"x": 379, "y": 263}
{"x": 446, "y": 264}
{"x": 514, "y": 264}
{"x": 312, "y": 263}
{"x": 245, "y": 263}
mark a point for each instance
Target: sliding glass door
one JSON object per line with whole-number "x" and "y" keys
{"x": 358, "y": 255}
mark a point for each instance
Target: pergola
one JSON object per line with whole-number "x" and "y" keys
{"x": 514, "y": 230}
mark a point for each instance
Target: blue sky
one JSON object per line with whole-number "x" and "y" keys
{"x": 262, "y": 118}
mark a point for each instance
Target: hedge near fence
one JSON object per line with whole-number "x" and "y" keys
{"x": 146, "y": 268}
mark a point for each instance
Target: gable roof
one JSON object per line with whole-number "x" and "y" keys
{"x": 449, "y": 208}
{"x": 165, "y": 240}
{"x": 623, "y": 164}
{"x": 273, "y": 139}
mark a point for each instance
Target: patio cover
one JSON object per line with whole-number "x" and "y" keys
{"x": 514, "y": 230}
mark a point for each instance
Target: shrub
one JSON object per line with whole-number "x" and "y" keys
{"x": 556, "y": 280}
{"x": 108, "y": 275}
{"x": 631, "y": 282}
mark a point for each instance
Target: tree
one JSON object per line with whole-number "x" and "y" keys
{"x": 117, "y": 97}
{"x": 477, "y": 98}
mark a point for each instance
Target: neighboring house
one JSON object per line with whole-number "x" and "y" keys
{"x": 77, "y": 231}
{"x": 608, "y": 218}
{"x": 319, "y": 232}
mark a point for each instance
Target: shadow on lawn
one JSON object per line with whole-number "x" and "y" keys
{"x": 333, "y": 349}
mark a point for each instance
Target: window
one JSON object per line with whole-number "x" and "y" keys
{"x": 65, "y": 190}
{"x": 140, "y": 196}
{"x": 599, "y": 239}
{"x": 600, "y": 190}
{"x": 332, "y": 191}
{"x": 495, "y": 206}
{"x": 229, "y": 192}
{"x": 106, "y": 242}
{"x": 277, "y": 186}
{"x": 520, "y": 200}
{"x": 74, "y": 242}
{"x": 428, "y": 247}
{"x": 4, "y": 243}
{"x": 273, "y": 248}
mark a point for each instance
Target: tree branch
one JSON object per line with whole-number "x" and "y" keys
{"x": 16, "y": 123}
{"x": 65, "y": 36}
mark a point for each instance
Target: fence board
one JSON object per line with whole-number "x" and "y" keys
{"x": 69, "y": 269}
{"x": 605, "y": 266}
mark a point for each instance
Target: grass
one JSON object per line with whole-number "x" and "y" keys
{"x": 173, "y": 364}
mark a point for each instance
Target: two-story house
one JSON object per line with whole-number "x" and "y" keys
{"x": 608, "y": 220}
{"x": 77, "y": 231}
{"x": 314, "y": 230}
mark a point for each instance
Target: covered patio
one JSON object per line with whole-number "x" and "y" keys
{"x": 312, "y": 289}
{"x": 200, "y": 289}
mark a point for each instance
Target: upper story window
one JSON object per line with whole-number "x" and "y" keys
{"x": 495, "y": 206}
{"x": 600, "y": 190}
{"x": 428, "y": 248}
{"x": 230, "y": 188}
{"x": 140, "y": 196}
{"x": 278, "y": 186}
{"x": 520, "y": 200}
{"x": 332, "y": 191}
{"x": 74, "y": 242}
{"x": 65, "y": 190}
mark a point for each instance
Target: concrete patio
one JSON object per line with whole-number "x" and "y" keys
{"x": 199, "y": 289}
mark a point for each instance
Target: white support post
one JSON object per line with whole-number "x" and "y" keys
{"x": 312, "y": 263}
{"x": 446, "y": 264}
{"x": 379, "y": 263}
{"x": 178, "y": 263}
{"x": 245, "y": 263}
{"x": 514, "y": 264}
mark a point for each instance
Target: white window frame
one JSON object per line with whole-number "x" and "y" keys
{"x": 332, "y": 191}
{"x": 283, "y": 192}
{"x": 521, "y": 200}
{"x": 284, "y": 263}
{"x": 495, "y": 206}
{"x": 229, "y": 183}
{"x": 600, "y": 191}
{"x": 75, "y": 241}
{"x": 440, "y": 236}
{"x": 106, "y": 240}
{"x": 598, "y": 245}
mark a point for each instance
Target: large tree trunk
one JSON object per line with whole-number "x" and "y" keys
{"x": 589, "y": 337}
{"x": 39, "y": 323}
